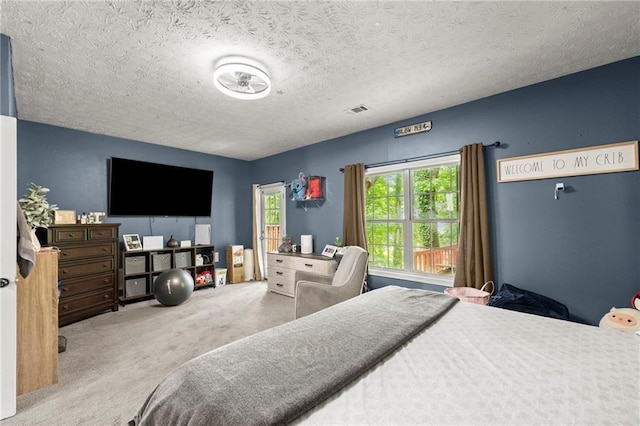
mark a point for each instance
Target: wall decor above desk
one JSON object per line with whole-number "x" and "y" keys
{"x": 611, "y": 158}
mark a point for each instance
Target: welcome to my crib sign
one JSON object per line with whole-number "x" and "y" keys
{"x": 616, "y": 157}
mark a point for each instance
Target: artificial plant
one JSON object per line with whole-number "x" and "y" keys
{"x": 36, "y": 209}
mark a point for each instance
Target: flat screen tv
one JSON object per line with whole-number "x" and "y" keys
{"x": 140, "y": 188}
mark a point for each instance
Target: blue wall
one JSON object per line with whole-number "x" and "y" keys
{"x": 73, "y": 165}
{"x": 582, "y": 249}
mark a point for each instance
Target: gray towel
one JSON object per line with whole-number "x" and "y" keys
{"x": 26, "y": 250}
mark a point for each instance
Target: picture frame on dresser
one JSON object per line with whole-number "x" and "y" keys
{"x": 132, "y": 242}
{"x": 329, "y": 250}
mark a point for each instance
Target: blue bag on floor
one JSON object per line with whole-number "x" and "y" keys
{"x": 516, "y": 299}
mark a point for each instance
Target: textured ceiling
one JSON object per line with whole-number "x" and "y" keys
{"x": 143, "y": 70}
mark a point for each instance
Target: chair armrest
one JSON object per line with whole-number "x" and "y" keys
{"x": 312, "y": 296}
{"x": 316, "y": 278}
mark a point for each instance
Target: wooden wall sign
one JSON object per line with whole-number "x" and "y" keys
{"x": 412, "y": 129}
{"x": 611, "y": 158}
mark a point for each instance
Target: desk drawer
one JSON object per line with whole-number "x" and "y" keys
{"x": 91, "y": 267}
{"x": 73, "y": 253}
{"x": 316, "y": 266}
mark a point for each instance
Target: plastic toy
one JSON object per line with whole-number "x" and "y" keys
{"x": 298, "y": 187}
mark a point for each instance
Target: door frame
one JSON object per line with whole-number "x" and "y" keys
{"x": 8, "y": 294}
{"x": 265, "y": 191}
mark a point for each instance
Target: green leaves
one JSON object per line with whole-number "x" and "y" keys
{"x": 37, "y": 210}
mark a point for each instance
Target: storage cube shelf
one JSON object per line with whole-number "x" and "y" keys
{"x": 139, "y": 269}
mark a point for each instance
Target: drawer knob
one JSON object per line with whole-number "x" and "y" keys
{"x": 65, "y": 307}
{"x": 106, "y": 296}
{"x": 279, "y": 260}
{"x": 309, "y": 265}
{"x": 65, "y": 289}
{"x": 279, "y": 273}
{"x": 280, "y": 285}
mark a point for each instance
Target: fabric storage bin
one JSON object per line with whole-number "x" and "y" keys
{"x": 135, "y": 287}
{"x": 183, "y": 259}
{"x": 161, "y": 261}
{"x": 135, "y": 265}
{"x": 471, "y": 294}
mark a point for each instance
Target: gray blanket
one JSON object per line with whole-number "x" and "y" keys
{"x": 276, "y": 375}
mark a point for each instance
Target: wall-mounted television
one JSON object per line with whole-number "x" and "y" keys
{"x": 140, "y": 188}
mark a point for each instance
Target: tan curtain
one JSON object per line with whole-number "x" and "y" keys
{"x": 257, "y": 248}
{"x": 474, "y": 267}
{"x": 353, "y": 223}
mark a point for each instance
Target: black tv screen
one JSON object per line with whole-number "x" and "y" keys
{"x": 140, "y": 188}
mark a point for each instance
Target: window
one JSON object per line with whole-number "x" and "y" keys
{"x": 412, "y": 220}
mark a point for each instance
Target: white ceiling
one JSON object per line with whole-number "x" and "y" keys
{"x": 143, "y": 70}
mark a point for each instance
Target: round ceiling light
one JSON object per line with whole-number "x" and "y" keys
{"x": 241, "y": 80}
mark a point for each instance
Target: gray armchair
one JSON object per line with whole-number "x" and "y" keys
{"x": 311, "y": 296}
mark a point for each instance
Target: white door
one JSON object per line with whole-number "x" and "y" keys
{"x": 8, "y": 199}
{"x": 273, "y": 223}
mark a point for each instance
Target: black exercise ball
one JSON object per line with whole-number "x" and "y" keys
{"x": 173, "y": 287}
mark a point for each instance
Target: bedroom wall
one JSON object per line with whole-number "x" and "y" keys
{"x": 581, "y": 249}
{"x": 73, "y": 165}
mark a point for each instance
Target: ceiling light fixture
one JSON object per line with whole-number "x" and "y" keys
{"x": 239, "y": 79}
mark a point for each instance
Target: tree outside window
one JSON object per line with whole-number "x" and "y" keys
{"x": 412, "y": 217}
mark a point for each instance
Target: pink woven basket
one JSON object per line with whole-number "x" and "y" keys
{"x": 472, "y": 295}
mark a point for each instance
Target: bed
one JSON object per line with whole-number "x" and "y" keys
{"x": 406, "y": 356}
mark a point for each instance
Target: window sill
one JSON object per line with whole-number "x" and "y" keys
{"x": 445, "y": 281}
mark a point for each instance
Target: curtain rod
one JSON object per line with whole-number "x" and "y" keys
{"x": 423, "y": 157}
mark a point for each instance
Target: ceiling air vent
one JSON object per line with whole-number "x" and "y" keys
{"x": 359, "y": 108}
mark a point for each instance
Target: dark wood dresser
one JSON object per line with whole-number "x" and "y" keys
{"x": 87, "y": 268}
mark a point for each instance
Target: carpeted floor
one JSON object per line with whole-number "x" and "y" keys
{"x": 113, "y": 361}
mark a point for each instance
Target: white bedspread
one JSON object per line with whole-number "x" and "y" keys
{"x": 480, "y": 365}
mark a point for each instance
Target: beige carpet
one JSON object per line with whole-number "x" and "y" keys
{"x": 113, "y": 361}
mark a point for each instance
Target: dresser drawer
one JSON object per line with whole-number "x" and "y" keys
{"x": 84, "y": 268}
{"x": 282, "y": 274}
{"x": 282, "y": 284}
{"x": 280, "y": 260}
{"x": 68, "y": 235}
{"x": 74, "y": 253}
{"x": 73, "y": 287}
{"x": 315, "y": 265}
{"x": 106, "y": 233}
{"x": 73, "y": 304}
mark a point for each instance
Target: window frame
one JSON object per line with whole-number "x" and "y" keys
{"x": 406, "y": 168}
